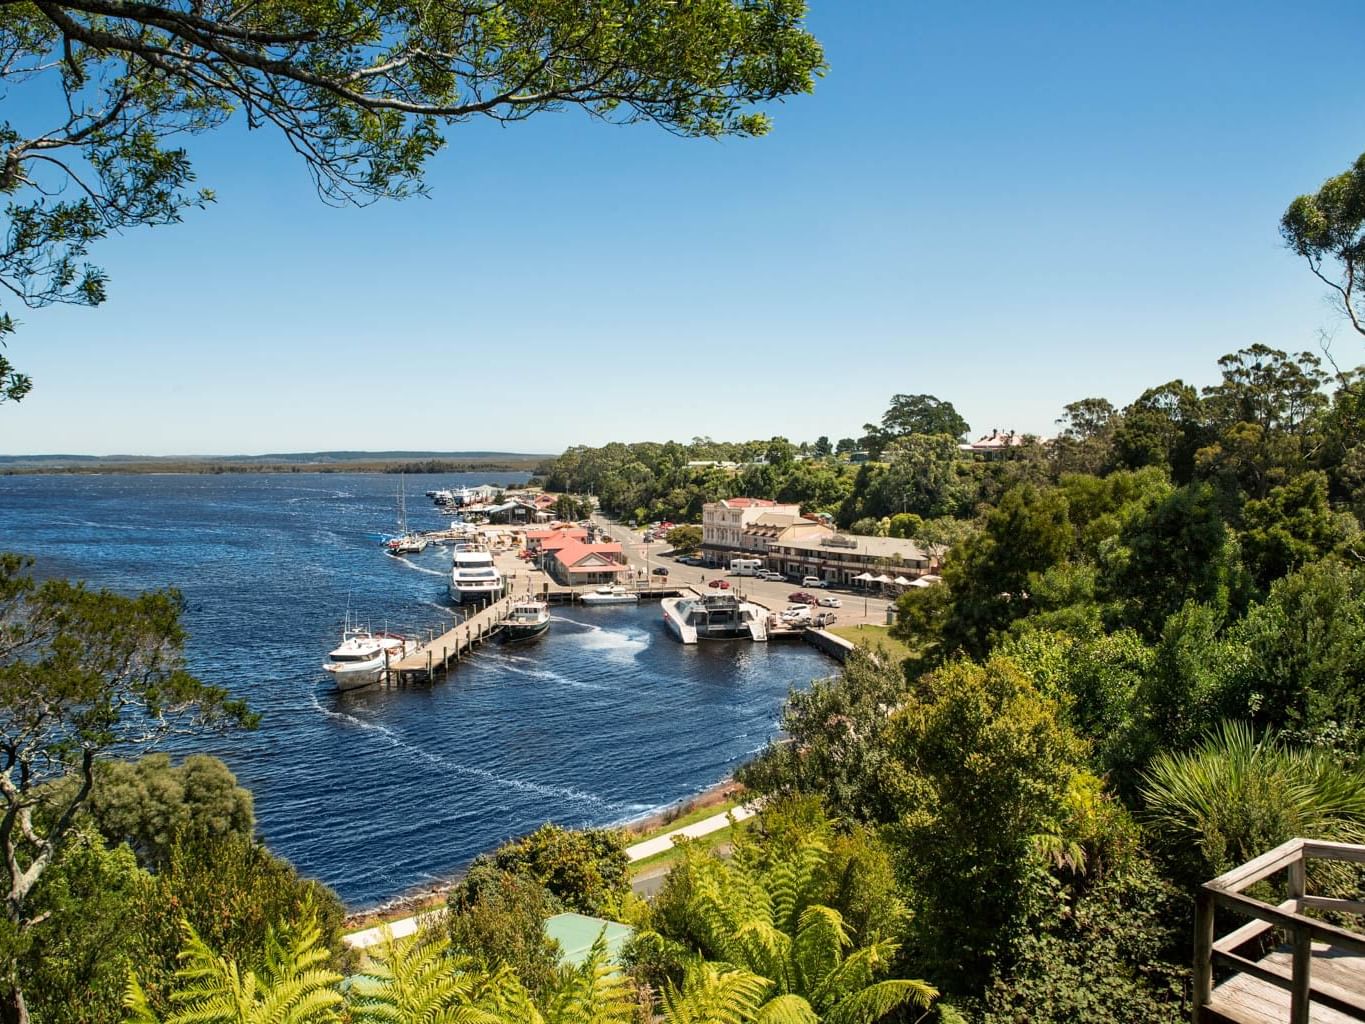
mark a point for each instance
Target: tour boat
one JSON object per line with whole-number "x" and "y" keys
{"x": 714, "y": 617}
{"x": 361, "y": 658}
{"x": 527, "y": 620}
{"x": 473, "y": 576}
{"x": 616, "y": 594}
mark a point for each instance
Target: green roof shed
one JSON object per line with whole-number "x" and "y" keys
{"x": 576, "y": 933}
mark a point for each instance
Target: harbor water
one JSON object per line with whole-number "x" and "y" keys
{"x": 382, "y": 790}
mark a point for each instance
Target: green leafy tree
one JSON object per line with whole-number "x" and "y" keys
{"x": 915, "y": 414}
{"x": 362, "y": 92}
{"x": 1327, "y": 229}
{"x": 499, "y": 917}
{"x": 839, "y": 747}
{"x": 989, "y": 575}
{"x": 986, "y": 769}
{"x": 1112, "y": 950}
{"x": 81, "y": 672}
{"x": 1291, "y": 526}
{"x": 77, "y": 962}
{"x": 231, "y": 890}
{"x": 685, "y": 539}
{"x": 585, "y": 870}
{"x": 151, "y": 804}
{"x": 1298, "y": 657}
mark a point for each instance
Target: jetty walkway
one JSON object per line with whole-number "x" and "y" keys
{"x": 441, "y": 652}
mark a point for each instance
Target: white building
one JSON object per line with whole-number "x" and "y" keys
{"x": 723, "y": 523}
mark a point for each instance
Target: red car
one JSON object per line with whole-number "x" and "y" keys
{"x": 800, "y": 597}
{"x": 720, "y": 584}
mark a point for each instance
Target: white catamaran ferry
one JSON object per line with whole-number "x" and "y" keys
{"x": 473, "y": 576}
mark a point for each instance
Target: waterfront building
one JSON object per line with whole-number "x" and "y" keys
{"x": 840, "y": 558}
{"x": 723, "y": 523}
{"x": 536, "y": 540}
{"x": 577, "y": 562}
{"x": 515, "y": 511}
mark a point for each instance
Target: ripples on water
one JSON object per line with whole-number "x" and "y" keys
{"x": 380, "y": 790}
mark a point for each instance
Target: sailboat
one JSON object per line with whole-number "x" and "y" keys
{"x": 406, "y": 542}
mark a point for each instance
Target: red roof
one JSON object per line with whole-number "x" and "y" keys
{"x": 749, "y": 502}
{"x": 564, "y": 538}
{"x": 573, "y": 553}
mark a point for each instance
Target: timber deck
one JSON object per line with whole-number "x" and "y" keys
{"x": 1316, "y": 977}
{"x": 440, "y": 653}
{"x": 1244, "y": 999}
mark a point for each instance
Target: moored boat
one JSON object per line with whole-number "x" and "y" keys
{"x": 362, "y": 656}
{"x": 473, "y": 576}
{"x": 714, "y": 617}
{"x": 527, "y": 620}
{"x": 612, "y": 594}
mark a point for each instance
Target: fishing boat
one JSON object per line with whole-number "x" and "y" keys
{"x": 527, "y": 620}
{"x": 362, "y": 656}
{"x": 473, "y": 576}
{"x": 714, "y": 617}
{"x": 612, "y": 594}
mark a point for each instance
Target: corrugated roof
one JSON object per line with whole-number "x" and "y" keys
{"x": 576, "y": 934}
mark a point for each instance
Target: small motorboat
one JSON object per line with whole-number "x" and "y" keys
{"x": 614, "y": 594}
{"x": 527, "y": 620}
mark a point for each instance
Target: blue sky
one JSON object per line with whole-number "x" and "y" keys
{"x": 1008, "y": 206}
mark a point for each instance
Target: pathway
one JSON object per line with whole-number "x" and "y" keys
{"x": 639, "y": 851}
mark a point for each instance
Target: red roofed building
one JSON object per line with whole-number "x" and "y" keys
{"x": 577, "y": 562}
{"x": 545, "y": 540}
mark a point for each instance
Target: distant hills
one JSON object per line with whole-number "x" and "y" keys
{"x": 342, "y": 461}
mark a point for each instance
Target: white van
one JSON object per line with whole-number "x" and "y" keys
{"x": 746, "y": 566}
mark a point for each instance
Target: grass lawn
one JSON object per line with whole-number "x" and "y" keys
{"x": 686, "y": 818}
{"x": 706, "y": 842}
{"x": 876, "y": 637}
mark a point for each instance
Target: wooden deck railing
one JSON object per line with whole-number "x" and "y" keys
{"x": 1227, "y": 891}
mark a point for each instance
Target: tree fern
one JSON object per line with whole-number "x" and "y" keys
{"x": 294, "y": 987}
{"x": 415, "y": 980}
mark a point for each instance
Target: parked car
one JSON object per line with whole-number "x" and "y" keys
{"x": 829, "y": 601}
{"x": 768, "y": 574}
{"x": 719, "y": 584}
{"x": 800, "y": 597}
{"x": 824, "y": 619}
{"x": 661, "y": 571}
{"x": 813, "y": 581}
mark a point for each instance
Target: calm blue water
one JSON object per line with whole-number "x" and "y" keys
{"x": 378, "y": 791}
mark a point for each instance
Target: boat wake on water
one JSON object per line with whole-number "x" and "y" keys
{"x": 399, "y": 743}
{"x": 419, "y": 568}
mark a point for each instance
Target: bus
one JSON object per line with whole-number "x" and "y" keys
{"x": 746, "y": 566}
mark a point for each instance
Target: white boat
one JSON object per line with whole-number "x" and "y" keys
{"x": 616, "y": 594}
{"x": 527, "y": 620}
{"x": 473, "y": 576}
{"x": 714, "y": 617}
{"x": 361, "y": 658}
{"x": 406, "y": 542}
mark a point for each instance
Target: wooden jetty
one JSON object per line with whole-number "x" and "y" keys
{"x": 1283, "y": 966}
{"x": 445, "y": 650}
